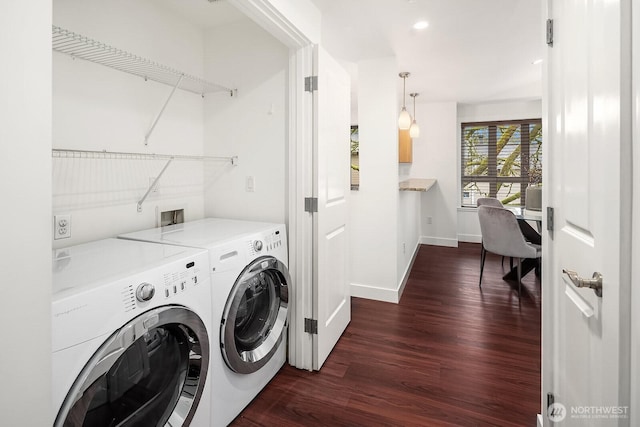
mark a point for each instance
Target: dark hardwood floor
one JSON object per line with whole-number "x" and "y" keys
{"x": 449, "y": 353}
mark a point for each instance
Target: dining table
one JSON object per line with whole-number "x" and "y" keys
{"x": 523, "y": 214}
{"x": 528, "y": 264}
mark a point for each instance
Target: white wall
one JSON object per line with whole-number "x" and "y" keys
{"x": 303, "y": 14}
{"x": 97, "y": 108}
{"x": 300, "y": 23}
{"x": 25, "y": 191}
{"x": 409, "y": 207}
{"x": 408, "y": 234}
{"x": 374, "y": 208}
{"x": 435, "y": 156}
{"x": 468, "y": 225}
{"x": 251, "y": 125}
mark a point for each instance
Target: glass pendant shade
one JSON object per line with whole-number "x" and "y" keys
{"x": 414, "y": 130}
{"x": 404, "y": 121}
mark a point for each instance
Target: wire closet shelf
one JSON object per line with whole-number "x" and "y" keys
{"x": 115, "y": 155}
{"x": 121, "y": 155}
{"x": 78, "y": 46}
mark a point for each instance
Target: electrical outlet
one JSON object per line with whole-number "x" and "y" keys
{"x": 429, "y": 220}
{"x": 61, "y": 226}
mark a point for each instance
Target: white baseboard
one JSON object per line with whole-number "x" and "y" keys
{"x": 375, "y": 293}
{"x": 540, "y": 423}
{"x": 470, "y": 238}
{"x": 439, "y": 241}
{"x": 407, "y": 271}
{"x": 385, "y": 294}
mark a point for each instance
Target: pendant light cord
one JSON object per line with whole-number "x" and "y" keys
{"x": 404, "y": 92}
{"x": 404, "y": 76}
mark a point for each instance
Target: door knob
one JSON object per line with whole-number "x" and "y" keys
{"x": 594, "y": 283}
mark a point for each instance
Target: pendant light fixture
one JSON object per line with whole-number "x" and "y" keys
{"x": 414, "y": 130}
{"x": 404, "y": 121}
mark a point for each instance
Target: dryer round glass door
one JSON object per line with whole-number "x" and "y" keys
{"x": 255, "y": 315}
{"x": 151, "y": 372}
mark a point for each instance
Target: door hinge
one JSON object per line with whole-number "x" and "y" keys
{"x": 310, "y": 83}
{"x": 550, "y": 32}
{"x": 311, "y": 204}
{"x": 549, "y": 218}
{"x": 311, "y": 326}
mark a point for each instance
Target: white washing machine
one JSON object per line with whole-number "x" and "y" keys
{"x": 250, "y": 282}
{"x": 131, "y": 335}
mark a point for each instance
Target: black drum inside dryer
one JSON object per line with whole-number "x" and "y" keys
{"x": 255, "y": 315}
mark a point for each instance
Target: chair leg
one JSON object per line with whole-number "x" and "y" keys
{"x": 483, "y": 255}
{"x": 519, "y": 277}
{"x": 511, "y": 263}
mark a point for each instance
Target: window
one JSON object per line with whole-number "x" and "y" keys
{"x": 499, "y": 159}
{"x": 355, "y": 158}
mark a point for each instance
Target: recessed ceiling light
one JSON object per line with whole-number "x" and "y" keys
{"x": 537, "y": 61}
{"x": 420, "y": 25}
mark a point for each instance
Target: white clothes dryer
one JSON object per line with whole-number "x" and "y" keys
{"x": 131, "y": 335}
{"x": 250, "y": 283}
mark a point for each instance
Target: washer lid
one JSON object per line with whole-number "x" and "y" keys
{"x": 109, "y": 260}
{"x": 204, "y": 233}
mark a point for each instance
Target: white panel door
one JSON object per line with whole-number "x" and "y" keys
{"x": 585, "y": 344}
{"x": 332, "y": 299}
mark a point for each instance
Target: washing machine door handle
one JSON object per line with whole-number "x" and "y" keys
{"x": 260, "y": 266}
{"x": 265, "y": 264}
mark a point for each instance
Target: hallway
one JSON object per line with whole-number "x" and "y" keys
{"x": 447, "y": 354}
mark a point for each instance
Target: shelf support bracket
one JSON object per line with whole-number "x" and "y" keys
{"x": 153, "y": 185}
{"x": 155, "y": 122}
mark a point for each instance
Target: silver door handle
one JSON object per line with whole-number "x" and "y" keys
{"x": 594, "y": 283}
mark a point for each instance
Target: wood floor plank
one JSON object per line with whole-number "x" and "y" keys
{"x": 449, "y": 354}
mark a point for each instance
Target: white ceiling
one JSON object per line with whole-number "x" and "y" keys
{"x": 473, "y": 50}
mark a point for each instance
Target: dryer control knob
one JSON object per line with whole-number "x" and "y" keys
{"x": 257, "y": 245}
{"x": 145, "y": 292}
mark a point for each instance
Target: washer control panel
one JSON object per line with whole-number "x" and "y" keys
{"x": 266, "y": 243}
{"x": 176, "y": 282}
{"x": 273, "y": 240}
{"x": 172, "y": 281}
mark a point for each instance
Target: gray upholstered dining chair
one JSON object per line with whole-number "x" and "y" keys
{"x": 501, "y": 235}
{"x": 491, "y": 201}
